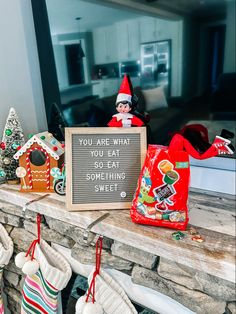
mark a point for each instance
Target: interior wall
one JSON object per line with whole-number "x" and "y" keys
{"x": 20, "y": 79}
{"x": 190, "y": 57}
{"x": 230, "y": 41}
{"x": 61, "y": 66}
{"x": 174, "y": 31}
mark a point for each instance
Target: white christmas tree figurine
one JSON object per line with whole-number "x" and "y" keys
{"x": 12, "y": 140}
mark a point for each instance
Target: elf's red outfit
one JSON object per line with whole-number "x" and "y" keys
{"x": 124, "y": 120}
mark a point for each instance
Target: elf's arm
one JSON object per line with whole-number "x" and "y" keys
{"x": 114, "y": 123}
{"x": 136, "y": 121}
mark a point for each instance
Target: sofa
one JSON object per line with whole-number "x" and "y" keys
{"x": 95, "y": 112}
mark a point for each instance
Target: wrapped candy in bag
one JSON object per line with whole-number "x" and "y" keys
{"x": 162, "y": 190}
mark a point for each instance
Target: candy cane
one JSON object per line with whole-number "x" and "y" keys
{"x": 48, "y": 170}
{"x": 29, "y": 169}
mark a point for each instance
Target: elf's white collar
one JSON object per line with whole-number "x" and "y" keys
{"x": 123, "y": 116}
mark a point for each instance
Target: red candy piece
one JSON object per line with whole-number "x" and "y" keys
{"x": 2, "y": 145}
{"x": 18, "y": 148}
{"x": 62, "y": 145}
{"x": 55, "y": 148}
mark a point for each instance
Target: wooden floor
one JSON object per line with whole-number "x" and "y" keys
{"x": 212, "y": 215}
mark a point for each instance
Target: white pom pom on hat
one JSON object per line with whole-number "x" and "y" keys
{"x": 31, "y": 267}
{"x": 21, "y": 259}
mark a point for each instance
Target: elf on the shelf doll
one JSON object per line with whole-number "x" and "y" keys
{"x": 125, "y": 105}
{"x": 194, "y": 140}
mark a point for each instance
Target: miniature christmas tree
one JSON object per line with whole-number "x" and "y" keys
{"x": 12, "y": 140}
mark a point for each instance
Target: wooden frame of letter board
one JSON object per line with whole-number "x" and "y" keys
{"x": 68, "y": 142}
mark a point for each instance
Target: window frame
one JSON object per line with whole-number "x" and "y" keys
{"x": 51, "y": 87}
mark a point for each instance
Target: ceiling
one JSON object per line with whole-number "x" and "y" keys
{"x": 95, "y": 13}
{"x": 193, "y": 7}
{"x": 62, "y": 15}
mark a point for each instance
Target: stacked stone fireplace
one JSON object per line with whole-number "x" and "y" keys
{"x": 198, "y": 291}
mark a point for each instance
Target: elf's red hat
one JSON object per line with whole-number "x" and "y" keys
{"x": 125, "y": 92}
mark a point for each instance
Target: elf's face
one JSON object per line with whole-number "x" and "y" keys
{"x": 123, "y": 107}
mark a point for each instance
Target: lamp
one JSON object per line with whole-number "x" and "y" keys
{"x": 80, "y": 49}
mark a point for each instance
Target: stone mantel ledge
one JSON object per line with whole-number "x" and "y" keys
{"x": 212, "y": 216}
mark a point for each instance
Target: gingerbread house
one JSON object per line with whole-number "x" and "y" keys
{"x": 37, "y": 157}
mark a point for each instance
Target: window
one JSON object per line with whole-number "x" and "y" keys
{"x": 116, "y": 38}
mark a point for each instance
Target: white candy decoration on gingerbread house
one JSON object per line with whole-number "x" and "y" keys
{"x": 37, "y": 157}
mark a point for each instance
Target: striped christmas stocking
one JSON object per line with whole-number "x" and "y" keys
{"x": 41, "y": 289}
{"x": 39, "y": 296}
{"x": 6, "y": 250}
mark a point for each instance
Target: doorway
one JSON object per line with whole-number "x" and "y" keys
{"x": 216, "y": 55}
{"x": 75, "y": 65}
